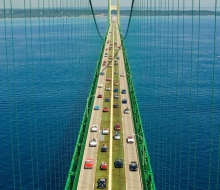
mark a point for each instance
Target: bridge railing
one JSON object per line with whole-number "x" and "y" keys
{"x": 144, "y": 158}
{"x": 76, "y": 163}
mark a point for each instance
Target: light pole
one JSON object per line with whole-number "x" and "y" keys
{"x": 142, "y": 144}
{"x": 87, "y": 110}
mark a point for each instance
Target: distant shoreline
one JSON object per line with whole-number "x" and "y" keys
{"x": 35, "y": 13}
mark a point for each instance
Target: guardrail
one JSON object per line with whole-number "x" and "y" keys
{"x": 144, "y": 158}
{"x": 75, "y": 167}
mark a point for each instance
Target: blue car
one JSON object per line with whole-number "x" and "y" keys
{"x": 115, "y": 90}
{"x": 123, "y": 91}
{"x": 124, "y": 101}
{"x": 96, "y": 107}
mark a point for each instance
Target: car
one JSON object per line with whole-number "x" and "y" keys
{"x": 89, "y": 163}
{"x": 123, "y": 91}
{"x": 116, "y": 63}
{"x": 107, "y": 99}
{"x": 117, "y": 127}
{"x": 110, "y": 56}
{"x": 130, "y": 139}
{"x": 118, "y": 58}
{"x": 107, "y": 88}
{"x": 104, "y": 148}
{"x": 122, "y": 74}
{"x": 106, "y": 49}
{"x": 108, "y": 41}
{"x": 94, "y": 128}
{"x": 116, "y": 83}
{"x": 99, "y": 96}
{"x": 102, "y": 73}
{"x": 105, "y": 109}
{"x": 106, "y": 55}
{"x": 133, "y": 166}
{"x": 96, "y": 107}
{"x": 101, "y": 183}
{"x": 110, "y": 48}
{"x": 119, "y": 47}
{"x": 116, "y": 72}
{"x": 115, "y": 90}
{"x": 110, "y": 66}
{"x": 93, "y": 143}
{"x": 115, "y": 106}
{"x": 116, "y": 95}
{"x": 103, "y": 166}
{"x": 127, "y": 110}
{"x": 100, "y": 86}
{"x": 111, "y": 45}
{"x": 104, "y": 61}
{"x": 118, "y": 163}
{"x": 108, "y": 79}
{"x": 117, "y": 136}
{"x": 124, "y": 101}
{"x": 105, "y": 131}
{"x": 104, "y": 64}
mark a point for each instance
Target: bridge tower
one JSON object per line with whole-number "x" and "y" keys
{"x": 115, "y": 8}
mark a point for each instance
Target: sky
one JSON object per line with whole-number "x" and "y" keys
{"x": 103, "y": 3}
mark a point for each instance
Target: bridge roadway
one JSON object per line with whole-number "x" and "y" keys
{"x": 87, "y": 176}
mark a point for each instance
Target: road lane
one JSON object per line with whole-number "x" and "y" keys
{"x": 87, "y": 176}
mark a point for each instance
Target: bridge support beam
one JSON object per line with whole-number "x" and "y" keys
{"x": 116, "y": 8}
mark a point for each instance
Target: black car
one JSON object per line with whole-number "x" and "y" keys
{"x": 124, "y": 101}
{"x": 118, "y": 163}
{"x": 115, "y": 106}
{"x": 101, "y": 183}
{"x": 133, "y": 166}
{"x": 107, "y": 99}
{"x": 104, "y": 148}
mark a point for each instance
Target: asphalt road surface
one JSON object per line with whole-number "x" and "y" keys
{"x": 87, "y": 176}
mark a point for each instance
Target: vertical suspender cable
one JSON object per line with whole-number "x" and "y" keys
{"x": 197, "y": 100}
{"x": 213, "y": 99}
{"x": 9, "y": 99}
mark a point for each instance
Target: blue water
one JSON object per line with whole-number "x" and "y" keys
{"x": 46, "y": 77}
{"x": 178, "y": 91}
{"x": 46, "y": 69}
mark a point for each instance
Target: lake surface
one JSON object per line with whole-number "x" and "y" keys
{"x": 46, "y": 69}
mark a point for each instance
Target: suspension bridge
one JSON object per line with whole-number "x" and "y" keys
{"x": 144, "y": 116}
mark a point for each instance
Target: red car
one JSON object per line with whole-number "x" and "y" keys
{"x": 104, "y": 64}
{"x": 104, "y": 61}
{"x": 99, "y": 96}
{"x": 105, "y": 109}
{"x": 117, "y": 127}
{"x": 89, "y": 163}
{"x": 106, "y": 49}
{"x": 103, "y": 166}
{"x": 108, "y": 79}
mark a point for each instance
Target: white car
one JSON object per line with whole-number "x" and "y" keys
{"x": 93, "y": 142}
{"x": 122, "y": 74}
{"x": 105, "y": 131}
{"x": 127, "y": 111}
{"x": 107, "y": 88}
{"x": 130, "y": 139}
{"x": 100, "y": 86}
{"x": 117, "y": 136}
{"x": 116, "y": 95}
{"x": 94, "y": 128}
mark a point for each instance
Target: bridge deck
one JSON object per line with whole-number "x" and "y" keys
{"x": 87, "y": 176}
